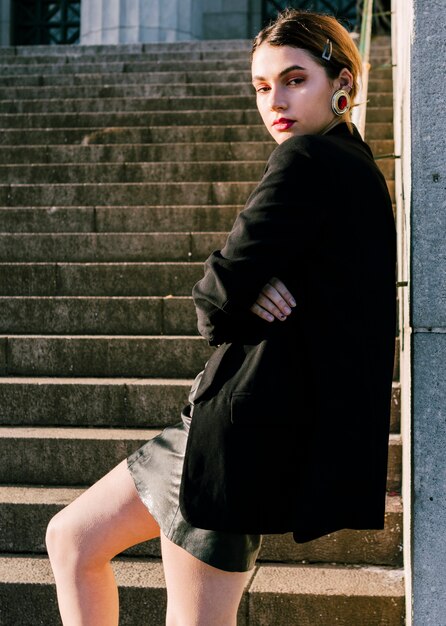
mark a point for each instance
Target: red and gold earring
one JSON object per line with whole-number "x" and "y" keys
{"x": 340, "y": 102}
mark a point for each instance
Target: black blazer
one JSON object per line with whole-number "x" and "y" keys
{"x": 290, "y": 428}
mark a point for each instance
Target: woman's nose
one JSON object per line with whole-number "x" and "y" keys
{"x": 277, "y": 100}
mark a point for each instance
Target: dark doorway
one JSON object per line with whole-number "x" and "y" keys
{"x": 46, "y": 22}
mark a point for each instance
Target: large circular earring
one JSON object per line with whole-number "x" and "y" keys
{"x": 340, "y": 102}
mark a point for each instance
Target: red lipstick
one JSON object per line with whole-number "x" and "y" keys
{"x": 283, "y": 123}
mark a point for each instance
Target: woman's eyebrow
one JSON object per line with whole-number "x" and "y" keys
{"x": 283, "y": 72}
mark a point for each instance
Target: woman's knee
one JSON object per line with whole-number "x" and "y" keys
{"x": 67, "y": 543}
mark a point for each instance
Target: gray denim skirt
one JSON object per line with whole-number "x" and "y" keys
{"x": 156, "y": 468}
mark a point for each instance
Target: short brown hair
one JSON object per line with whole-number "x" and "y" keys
{"x": 310, "y": 31}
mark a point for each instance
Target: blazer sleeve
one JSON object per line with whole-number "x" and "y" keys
{"x": 268, "y": 237}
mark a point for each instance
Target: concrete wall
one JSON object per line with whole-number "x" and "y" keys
{"x": 5, "y": 22}
{"x": 135, "y": 21}
{"x": 428, "y": 309}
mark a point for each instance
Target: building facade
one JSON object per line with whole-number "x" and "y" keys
{"x": 48, "y": 22}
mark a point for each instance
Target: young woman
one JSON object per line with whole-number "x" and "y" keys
{"x": 287, "y": 426}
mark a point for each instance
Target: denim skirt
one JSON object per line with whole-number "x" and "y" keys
{"x": 156, "y": 469}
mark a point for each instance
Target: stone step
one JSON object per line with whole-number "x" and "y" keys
{"x": 219, "y": 49}
{"x": 378, "y": 131}
{"x": 142, "y": 90}
{"x": 82, "y": 315}
{"x": 26, "y": 511}
{"x": 135, "y": 135}
{"x": 169, "y": 103}
{"x": 152, "y": 118}
{"x": 118, "y": 219}
{"x": 128, "y": 105}
{"x": 274, "y": 594}
{"x": 381, "y": 72}
{"x": 128, "y": 78}
{"x": 169, "y": 356}
{"x": 129, "y": 57}
{"x": 167, "y": 171}
{"x": 127, "y": 48}
{"x": 80, "y": 456}
{"x": 154, "y": 134}
{"x": 99, "y": 279}
{"x": 134, "y": 153}
{"x": 117, "y": 402}
{"x": 137, "y": 67}
{"x": 79, "y": 66}
{"x": 314, "y": 595}
{"x": 91, "y": 54}
{"x": 152, "y": 90}
{"x": 129, "y": 172}
{"x": 117, "y": 194}
{"x": 109, "y": 194}
{"x": 156, "y": 77}
{"x": 125, "y": 247}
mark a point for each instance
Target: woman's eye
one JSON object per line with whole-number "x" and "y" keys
{"x": 261, "y": 89}
{"x": 295, "y": 81}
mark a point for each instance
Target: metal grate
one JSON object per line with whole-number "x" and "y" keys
{"x": 46, "y": 22}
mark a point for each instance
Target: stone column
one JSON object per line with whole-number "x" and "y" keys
{"x": 5, "y": 23}
{"x": 137, "y": 21}
{"x": 428, "y": 311}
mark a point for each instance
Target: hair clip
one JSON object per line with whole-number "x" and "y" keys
{"x": 328, "y": 49}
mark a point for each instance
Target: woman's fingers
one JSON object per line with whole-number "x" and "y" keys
{"x": 282, "y": 290}
{"x": 274, "y": 301}
{"x": 266, "y": 304}
{"x": 261, "y": 312}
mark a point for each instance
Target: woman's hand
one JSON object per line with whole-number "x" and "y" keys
{"x": 274, "y": 301}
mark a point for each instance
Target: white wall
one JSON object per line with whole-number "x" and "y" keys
{"x": 402, "y": 17}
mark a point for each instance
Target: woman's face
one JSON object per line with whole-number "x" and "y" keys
{"x": 293, "y": 91}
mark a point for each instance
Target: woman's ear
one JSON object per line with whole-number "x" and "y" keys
{"x": 345, "y": 79}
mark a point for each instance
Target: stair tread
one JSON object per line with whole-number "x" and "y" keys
{"x": 268, "y": 578}
{"x": 322, "y": 580}
{"x": 86, "y": 380}
{"x": 69, "y": 432}
{"x": 26, "y": 494}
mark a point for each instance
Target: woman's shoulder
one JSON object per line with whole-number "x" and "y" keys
{"x": 310, "y": 149}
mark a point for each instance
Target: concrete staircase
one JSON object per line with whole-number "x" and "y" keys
{"x": 121, "y": 169}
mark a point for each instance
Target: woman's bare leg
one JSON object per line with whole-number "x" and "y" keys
{"x": 82, "y": 538}
{"x": 197, "y": 593}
